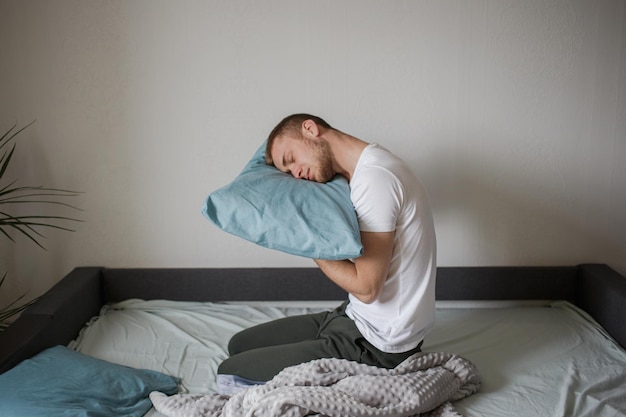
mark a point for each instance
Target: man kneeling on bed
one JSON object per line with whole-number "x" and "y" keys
{"x": 391, "y": 301}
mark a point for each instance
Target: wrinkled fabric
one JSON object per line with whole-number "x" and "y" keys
{"x": 424, "y": 384}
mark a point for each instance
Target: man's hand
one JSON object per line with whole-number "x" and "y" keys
{"x": 363, "y": 278}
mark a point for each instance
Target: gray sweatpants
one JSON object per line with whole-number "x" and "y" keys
{"x": 260, "y": 352}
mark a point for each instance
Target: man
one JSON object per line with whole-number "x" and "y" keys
{"x": 391, "y": 301}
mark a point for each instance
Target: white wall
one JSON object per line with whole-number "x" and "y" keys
{"x": 512, "y": 112}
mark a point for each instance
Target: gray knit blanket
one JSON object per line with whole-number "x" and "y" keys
{"x": 423, "y": 385}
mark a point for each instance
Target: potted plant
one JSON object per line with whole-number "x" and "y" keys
{"x": 28, "y": 225}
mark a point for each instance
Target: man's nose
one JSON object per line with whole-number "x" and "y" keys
{"x": 296, "y": 172}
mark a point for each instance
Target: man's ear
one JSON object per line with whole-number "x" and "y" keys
{"x": 310, "y": 129}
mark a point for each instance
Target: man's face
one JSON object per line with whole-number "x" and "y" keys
{"x": 303, "y": 158}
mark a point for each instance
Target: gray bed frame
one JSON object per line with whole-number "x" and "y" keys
{"x": 57, "y": 317}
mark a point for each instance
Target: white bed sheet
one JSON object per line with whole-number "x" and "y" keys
{"x": 535, "y": 360}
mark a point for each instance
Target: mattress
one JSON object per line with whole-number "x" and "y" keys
{"x": 536, "y": 359}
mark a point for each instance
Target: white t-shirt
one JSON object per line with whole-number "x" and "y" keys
{"x": 387, "y": 196}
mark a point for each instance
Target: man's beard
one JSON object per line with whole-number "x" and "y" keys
{"x": 323, "y": 156}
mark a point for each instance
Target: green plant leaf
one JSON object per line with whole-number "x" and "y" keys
{"x": 29, "y": 226}
{"x": 7, "y": 313}
{"x": 31, "y": 197}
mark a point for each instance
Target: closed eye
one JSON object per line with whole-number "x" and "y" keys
{"x": 287, "y": 160}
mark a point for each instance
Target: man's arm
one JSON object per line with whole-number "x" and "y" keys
{"x": 365, "y": 277}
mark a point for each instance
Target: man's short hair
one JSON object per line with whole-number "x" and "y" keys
{"x": 291, "y": 125}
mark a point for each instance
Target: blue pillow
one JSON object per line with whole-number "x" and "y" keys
{"x": 60, "y": 381}
{"x": 275, "y": 210}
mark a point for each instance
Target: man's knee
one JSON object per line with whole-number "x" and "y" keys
{"x": 237, "y": 344}
{"x": 227, "y": 367}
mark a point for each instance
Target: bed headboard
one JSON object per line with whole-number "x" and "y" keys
{"x": 59, "y": 314}
{"x": 219, "y": 284}
{"x": 601, "y": 292}
{"x": 277, "y": 284}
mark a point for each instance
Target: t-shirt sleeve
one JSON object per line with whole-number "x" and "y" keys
{"x": 377, "y": 197}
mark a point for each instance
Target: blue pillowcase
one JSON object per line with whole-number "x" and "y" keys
{"x": 275, "y": 210}
{"x": 60, "y": 381}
